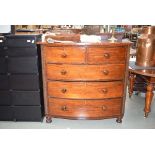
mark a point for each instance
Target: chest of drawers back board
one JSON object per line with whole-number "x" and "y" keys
{"x": 84, "y": 81}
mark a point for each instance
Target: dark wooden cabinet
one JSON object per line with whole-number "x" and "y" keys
{"x": 85, "y": 81}
{"x": 21, "y": 97}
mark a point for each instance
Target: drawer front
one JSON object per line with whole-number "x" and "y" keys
{"x": 3, "y": 65}
{"x": 2, "y": 52}
{"x": 64, "y": 55}
{"x": 106, "y": 55}
{"x": 85, "y": 72}
{"x": 85, "y": 90}
{"x": 32, "y": 51}
{"x": 24, "y": 82}
{"x": 27, "y": 113}
{"x": 21, "y": 42}
{"x": 26, "y": 98}
{"x": 6, "y": 113}
{"x": 4, "y": 82}
{"x": 23, "y": 65}
{"x": 5, "y": 98}
{"x": 85, "y": 108}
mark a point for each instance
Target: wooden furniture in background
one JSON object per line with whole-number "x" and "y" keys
{"x": 142, "y": 80}
{"x": 85, "y": 81}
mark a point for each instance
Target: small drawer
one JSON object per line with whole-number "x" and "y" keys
{"x": 24, "y": 82}
{"x": 3, "y": 65}
{"x": 4, "y": 82}
{"x": 106, "y": 55}
{"x": 23, "y": 64}
{"x": 85, "y": 108}
{"x": 85, "y": 72}
{"x": 5, "y": 98}
{"x": 26, "y": 98}
{"x": 85, "y": 90}
{"x": 27, "y": 113}
{"x": 13, "y": 51}
{"x": 64, "y": 54}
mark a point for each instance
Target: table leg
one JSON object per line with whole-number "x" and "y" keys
{"x": 148, "y": 99}
{"x": 131, "y": 84}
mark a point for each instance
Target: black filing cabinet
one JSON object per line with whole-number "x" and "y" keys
{"x": 21, "y": 96}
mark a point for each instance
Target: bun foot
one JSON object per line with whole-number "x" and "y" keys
{"x": 146, "y": 115}
{"x": 48, "y": 119}
{"x": 119, "y": 120}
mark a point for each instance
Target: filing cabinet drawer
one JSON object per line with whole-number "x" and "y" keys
{"x": 5, "y": 98}
{"x": 3, "y": 65}
{"x": 20, "y": 52}
{"x": 85, "y": 90}
{"x": 6, "y": 113}
{"x": 85, "y": 72}
{"x": 4, "y": 82}
{"x": 65, "y": 55}
{"x": 106, "y": 55}
{"x": 24, "y": 82}
{"x": 20, "y": 41}
{"x": 23, "y": 65}
{"x": 3, "y": 52}
{"x": 84, "y": 108}
{"x": 27, "y": 113}
{"x": 26, "y": 98}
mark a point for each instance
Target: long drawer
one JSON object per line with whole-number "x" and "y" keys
{"x": 65, "y": 54}
{"x": 25, "y": 98}
{"x": 6, "y": 113}
{"x": 85, "y": 72}
{"x": 85, "y": 90}
{"x": 24, "y": 82}
{"x": 5, "y": 98}
{"x": 106, "y": 55}
{"x": 22, "y": 51}
{"x": 23, "y": 64}
{"x": 3, "y": 65}
{"x": 27, "y": 113}
{"x": 84, "y": 108}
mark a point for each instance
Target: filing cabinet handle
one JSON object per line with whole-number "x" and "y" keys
{"x": 105, "y": 72}
{"x": 63, "y": 55}
{"x": 63, "y": 72}
{"x": 63, "y": 90}
{"x": 104, "y": 108}
{"x": 64, "y": 108}
{"x": 107, "y": 55}
{"x": 105, "y": 90}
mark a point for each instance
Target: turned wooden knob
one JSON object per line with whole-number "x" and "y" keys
{"x": 104, "y": 108}
{"x": 63, "y": 90}
{"x": 64, "y": 108}
{"x": 63, "y": 72}
{"x": 107, "y": 55}
{"x": 105, "y": 72}
{"x": 104, "y": 90}
{"x": 63, "y": 55}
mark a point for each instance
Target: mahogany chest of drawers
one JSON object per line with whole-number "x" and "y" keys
{"x": 85, "y": 81}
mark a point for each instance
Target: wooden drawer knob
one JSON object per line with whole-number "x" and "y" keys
{"x": 104, "y": 90}
{"x": 106, "y": 55}
{"x": 63, "y": 72}
{"x": 104, "y": 108}
{"x": 64, "y": 108}
{"x": 63, "y": 90}
{"x": 105, "y": 72}
{"x": 63, "y": 55}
